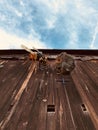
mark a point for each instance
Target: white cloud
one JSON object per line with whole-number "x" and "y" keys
{"x": 34, "y": 19}
{"x": 59, "y": 5}
{"x": 92, "y": 45}
{"x": 2, "y": 17}
{"x": 22, "y": 3}
{"x": 85, "y": 12}
{"x": 51, "y": 22}
{"x": 18, "y": 13}
{"x": 8, "y": 41}
{"x": 73, "y": 40}
{"x": 12, "y": 9}
{"x": 54, "y": 6}
{"x": 51, "y": 9}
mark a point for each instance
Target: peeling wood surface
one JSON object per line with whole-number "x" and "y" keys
{"x": 26, "y": 93}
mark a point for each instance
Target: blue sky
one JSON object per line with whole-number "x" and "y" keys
{"x": 55, "y": 24}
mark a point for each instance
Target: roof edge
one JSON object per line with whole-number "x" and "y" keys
{"x": 51, "y": 51}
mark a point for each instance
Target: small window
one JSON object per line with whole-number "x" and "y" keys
{"x": 50, "y": 108}
{"x": 83, "y": 108}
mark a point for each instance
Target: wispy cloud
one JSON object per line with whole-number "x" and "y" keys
{"x": 51, "y": 23}
{"x": 92, "y": 45}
